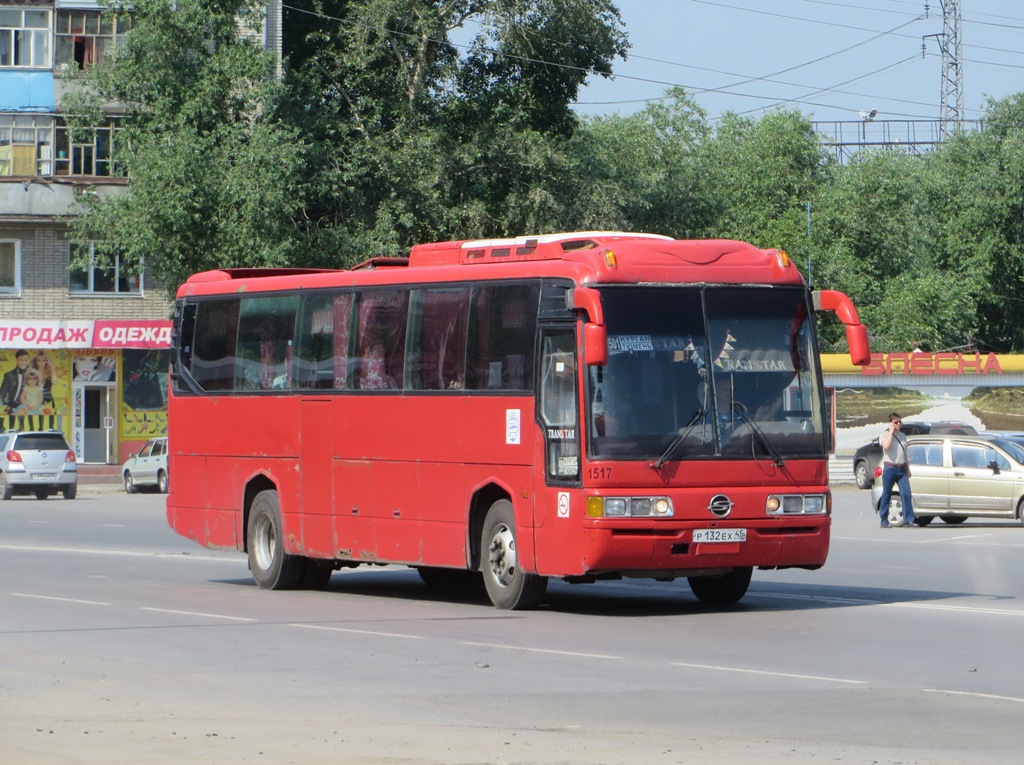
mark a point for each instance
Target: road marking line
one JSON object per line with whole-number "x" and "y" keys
{"x": 888, "y": 604}
{"x": 541, "y": 650}
{"x": 968, "y": 609}
{"x": 199, "y": 555}
{"x": 815, "y": 598}
{"x": 972, "y": 693}
{"x": 357, "y": 632}
{"x": 61, "y": 600}
{"x": 197, "y": 613}
{"x": 770, "y": 674}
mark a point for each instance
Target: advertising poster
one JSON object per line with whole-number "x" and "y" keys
{"x": 35, "y": 390}
{"x": 144, "y": 414}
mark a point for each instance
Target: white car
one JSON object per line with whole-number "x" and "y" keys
{"x": 147, "y": 468}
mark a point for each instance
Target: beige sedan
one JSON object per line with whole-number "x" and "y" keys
{"x": 959, "y": 477}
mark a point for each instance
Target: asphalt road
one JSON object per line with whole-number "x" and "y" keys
{"x": 123, "y": 643}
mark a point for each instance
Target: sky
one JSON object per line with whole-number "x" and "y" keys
{"x": 832, "y": 60}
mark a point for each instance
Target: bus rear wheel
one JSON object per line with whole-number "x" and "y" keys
{"x": 508, "y": 586}
{"x": 271, "y": 566}
{"x": 719, "y": 590}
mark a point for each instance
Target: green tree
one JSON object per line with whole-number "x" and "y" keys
{"x": 214, "y": 179}
{"x": 765, "y": 171}
{"x": 383, "y": 132}
{"x": 645, "y": 172}
{"x": 878, "y": 237}
{"x": 982, "y": 211}
{"x": 420, "y": 138}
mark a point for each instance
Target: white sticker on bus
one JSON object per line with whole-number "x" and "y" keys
{"x": 563, "y": 504}
{"x": 512, "y": 434}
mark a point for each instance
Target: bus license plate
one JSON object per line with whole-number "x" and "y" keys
{"x": 719, "y": 535}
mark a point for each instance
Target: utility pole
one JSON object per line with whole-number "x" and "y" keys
{"x": 951, "y": 106}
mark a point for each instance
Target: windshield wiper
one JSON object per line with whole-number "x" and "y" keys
{"x": 741, "y": 410}
{"x": 697, "y": 416}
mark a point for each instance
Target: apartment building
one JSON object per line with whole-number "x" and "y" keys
{"x": 95, "y": 340}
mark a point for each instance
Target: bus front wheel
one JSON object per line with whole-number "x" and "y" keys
{"x": 508, "y": 586}
{"x": 718, "y": 590}
{"x": 271, "y": 566}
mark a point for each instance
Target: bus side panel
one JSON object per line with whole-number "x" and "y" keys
{"x": 517, "y": 481}
{"x": 393, "y": 505}
{"x": 316, "y": 480}
{"x": 189, "y": 511}
{"x": 261, "y": 436}
{"x": 560, "y": 543}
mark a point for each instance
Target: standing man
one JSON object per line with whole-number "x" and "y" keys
{"x": 896, "y": 471}
{"x": 10, "y": 388}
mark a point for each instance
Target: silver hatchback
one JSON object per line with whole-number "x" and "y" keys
{"x": 958, "y": 477}
{"x": 37, "y": 462}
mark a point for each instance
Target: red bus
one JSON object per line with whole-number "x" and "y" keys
{"x": 586, "y": 406}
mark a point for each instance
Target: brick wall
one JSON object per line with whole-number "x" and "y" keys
{"x": 45, "y": 292}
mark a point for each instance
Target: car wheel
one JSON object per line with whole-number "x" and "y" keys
{"x": 863, "y": 475}
{"x": 924, "y": 520}
{"x": 1020, "y": 511}
{"x": 271, "y": 566}
{"x": 71, "y": 491}
{"x": 953, "y": 519}
{"x": 6, "y": 490}
{"x": 895, "y": 510}
{"x": 161, "y": 482}
{"x": 129, "y": 483}
{"x": 721, "y": 590}
{"x": 508, "y": 586}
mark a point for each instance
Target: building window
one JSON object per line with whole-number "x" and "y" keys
{"x": 117, "y": 277}
{"x": 85, "y": 152}
{"x": 85, "y": 37}
{"x": 26, "y": 145}
{"x": 10, "y": 267}
{"x": 24, "y": 38}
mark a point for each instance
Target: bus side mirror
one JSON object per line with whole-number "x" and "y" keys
{"x": 856, "y": 333}
{"x": 860, "y": 346}
{"x": 595, "y": 333}
{"x": 595, "y": 344}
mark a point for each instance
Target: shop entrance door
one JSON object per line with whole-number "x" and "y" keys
{"x": 99, "y": 436}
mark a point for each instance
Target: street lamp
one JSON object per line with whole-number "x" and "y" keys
{"x": 865, "y": 118}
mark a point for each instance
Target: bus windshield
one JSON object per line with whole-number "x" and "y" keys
{"x": 708, "y": 371}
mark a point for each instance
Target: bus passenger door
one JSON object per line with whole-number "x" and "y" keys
{"x": 316, "y": 447}
{"x": 558, "y": 407}
{"x": 558, "y": 509}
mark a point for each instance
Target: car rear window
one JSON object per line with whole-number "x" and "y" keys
{"x": 954, "y": 430}
{"x": 40, "y": 441}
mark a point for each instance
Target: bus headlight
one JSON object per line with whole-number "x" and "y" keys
{"x": 629, "y": 507}
{"x": 796, "y": 504}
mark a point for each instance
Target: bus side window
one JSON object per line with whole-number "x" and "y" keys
{"x": 266, "y": 331}
{"x": 213, "y": 353}
{"x": 322, "y": 352}
{"x": 500, "y": 343}
{"x": 437, "y": 343}
{"x": 381, "y": 339}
